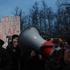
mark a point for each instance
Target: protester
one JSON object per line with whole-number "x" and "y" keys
{"x": 3, "y": 56}
{"x": 14, "y": 53}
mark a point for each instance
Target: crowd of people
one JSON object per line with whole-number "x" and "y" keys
{"x": 15, "y": 56}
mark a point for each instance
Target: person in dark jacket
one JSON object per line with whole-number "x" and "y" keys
{"x": 3, "y": 56}
{"x": 14, "y": 53}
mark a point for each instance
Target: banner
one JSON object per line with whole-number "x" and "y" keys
{"x": 9, "y": 25}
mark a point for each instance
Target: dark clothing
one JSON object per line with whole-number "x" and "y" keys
{"x": 3, "y": 59}
{"x": 55, "y": 61}
{"x": 14, "y": 57}
{"x": 36, "y": 63}
{"x": 25, "y": 57}
{"x": 30, "y": 63}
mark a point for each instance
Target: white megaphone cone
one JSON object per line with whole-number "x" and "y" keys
{"x": 32, "y": 38}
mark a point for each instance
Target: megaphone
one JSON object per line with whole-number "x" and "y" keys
{"x": 31, "y": 38}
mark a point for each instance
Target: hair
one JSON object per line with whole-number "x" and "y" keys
{"x": 14, "y": 36}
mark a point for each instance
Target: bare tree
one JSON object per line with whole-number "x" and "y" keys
{"x": 41, "y": 18}
{"x": 35, "y": 15}
{"x": 63, "y": 19}
{"x": 47, "y": 16}
{"x": 20, "y": 13}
